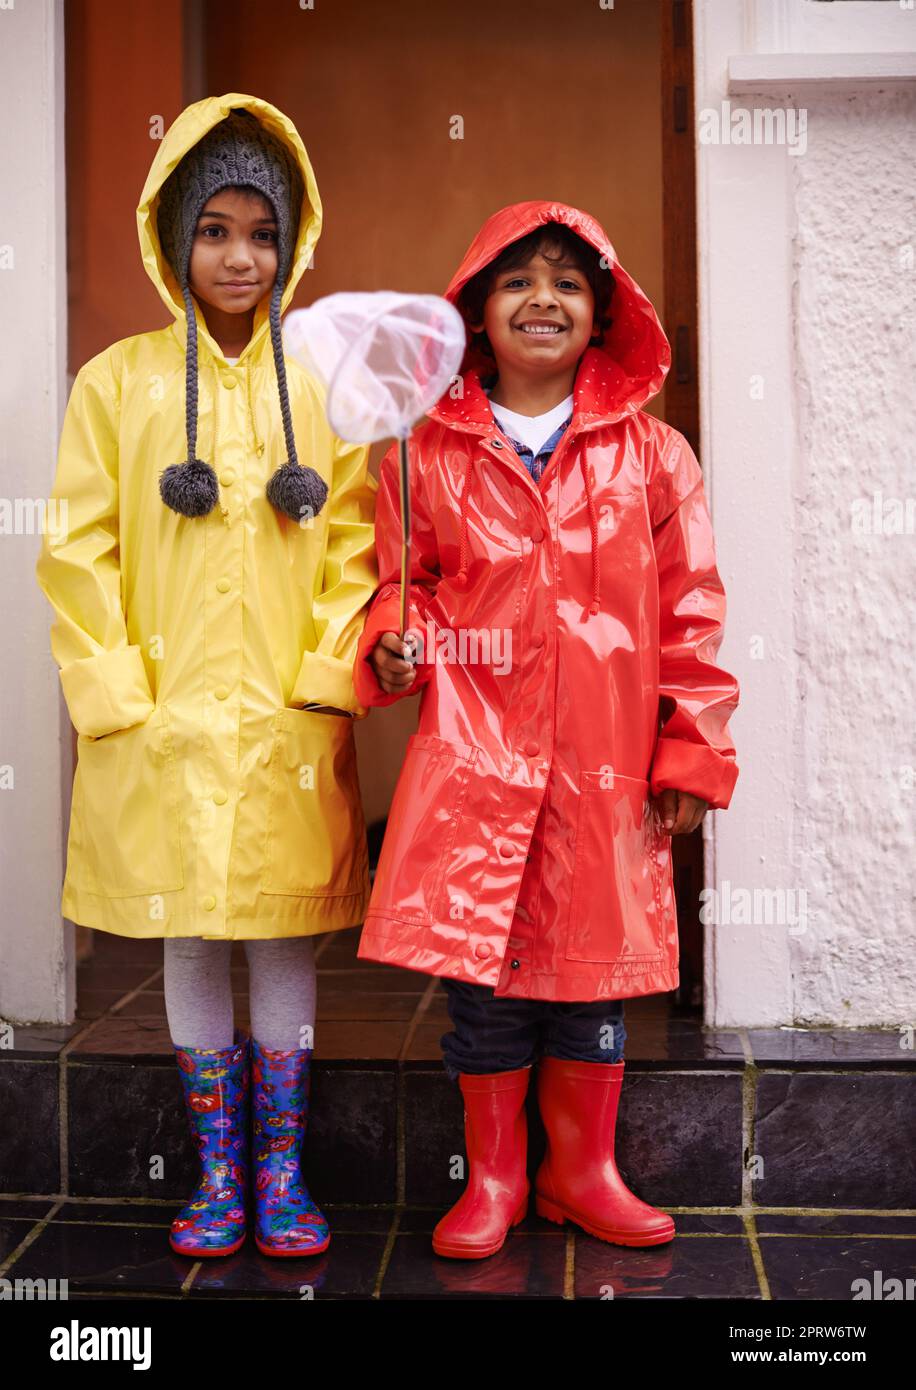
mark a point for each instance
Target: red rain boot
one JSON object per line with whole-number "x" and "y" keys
{"x": 496, "y": 1137}
{"x": 578, "y": 1180}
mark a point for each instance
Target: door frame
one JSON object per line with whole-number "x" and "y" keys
{"x": 682, "y": 397}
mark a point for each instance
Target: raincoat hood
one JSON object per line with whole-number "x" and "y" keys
{"x": 636, "y": 354}
{"x": 184, "y": 133}
{"x": 614, "y": 379}
{"x": 191, "y": 488}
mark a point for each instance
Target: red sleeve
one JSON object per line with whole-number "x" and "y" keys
{"x": 384, "y": 610}
{"x": 694, "y": 752}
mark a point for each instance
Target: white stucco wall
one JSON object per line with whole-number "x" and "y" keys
{"x": 854, "y": 345}
{"x": 808, "y": 353}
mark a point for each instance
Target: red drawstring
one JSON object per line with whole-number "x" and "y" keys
{"x": 463, "y": 530}
{"x": 595, "y": 604}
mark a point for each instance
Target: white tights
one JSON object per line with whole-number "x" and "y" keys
{"x": 281, "y": 991}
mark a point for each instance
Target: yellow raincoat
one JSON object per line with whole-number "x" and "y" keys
{"x": 205, "y": 803}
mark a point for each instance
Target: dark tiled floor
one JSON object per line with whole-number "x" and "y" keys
{"x": 383, "y": 1252}
{"x": 379, "y": 1013}
{"x": 827, "y": 1115}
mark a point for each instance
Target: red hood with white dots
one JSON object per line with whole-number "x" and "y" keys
{"x": 635, "y": 341}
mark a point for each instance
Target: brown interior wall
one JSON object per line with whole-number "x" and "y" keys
{"x": 124, "y": 71}
{"x": 557, "y": 101}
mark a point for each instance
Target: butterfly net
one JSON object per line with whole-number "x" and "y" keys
{"x": 385, "y": 358}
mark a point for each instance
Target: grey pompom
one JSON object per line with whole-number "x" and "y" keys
{"x": 189, "y": 488}
{"x": 299, "y": 492}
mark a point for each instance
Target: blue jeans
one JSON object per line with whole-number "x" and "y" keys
{"x": 491, "y": 1034}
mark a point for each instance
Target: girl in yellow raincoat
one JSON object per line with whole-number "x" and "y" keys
{"x": 209, "y": 554}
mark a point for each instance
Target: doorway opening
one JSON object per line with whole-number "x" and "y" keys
{"x": 420, "y": 121}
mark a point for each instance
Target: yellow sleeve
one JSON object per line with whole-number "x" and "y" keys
{"x": 346, "y": 582}
{"x": 103, "y": 677}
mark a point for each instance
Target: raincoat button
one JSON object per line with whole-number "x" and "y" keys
{"x": 223, "y": 585}
{"x": 220, "y": 797}
{"x": 497, "y": 444}
{"x": 515, "y": 964}
{"x": 482, "y": 951}
{"x": 506, "y": 850}
{"x": 532, "y": 748}
{"x": 229, "y": 382}
{"x": 537, "y": 534}
{"x": 221, "y": 692}
{"x": 537, "y": 639}
{"x": 227, "y": 477}
{"x": 209, "y": 903}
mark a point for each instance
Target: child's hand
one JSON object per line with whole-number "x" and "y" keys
{"x": 679, "y": 812}
{"x": 395, "y": 675}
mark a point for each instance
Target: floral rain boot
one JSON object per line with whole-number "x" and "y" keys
{"x": 216, "y": 1098}
{"x": 287, "y": 1221}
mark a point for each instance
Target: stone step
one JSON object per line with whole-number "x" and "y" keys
{"x": 771, "y": 1118}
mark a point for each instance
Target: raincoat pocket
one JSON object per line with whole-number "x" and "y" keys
{"x": 125, "y": 828}
{"x": 420, "y": 834}
{"x": 315, "y": 838}
{"x": 616, "y": 906}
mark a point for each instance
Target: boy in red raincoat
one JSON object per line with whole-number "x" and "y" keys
{"x": 565, "y": 615}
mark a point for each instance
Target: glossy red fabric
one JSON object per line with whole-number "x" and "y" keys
{"x": 578, "y": 1179}
{"x": 584, "y": 615}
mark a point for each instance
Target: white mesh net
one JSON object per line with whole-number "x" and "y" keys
{"x": 385, "y": 358}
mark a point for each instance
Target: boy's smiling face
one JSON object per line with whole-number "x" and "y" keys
{"x": 539, "y": 318}
{"x": 234, "y": 252}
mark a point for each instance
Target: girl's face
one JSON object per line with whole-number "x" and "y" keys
{"x": 234, "y": 252}
{"x": 539, "y": 317}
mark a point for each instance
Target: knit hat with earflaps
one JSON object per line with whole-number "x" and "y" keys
{"x": 237, "y": 152}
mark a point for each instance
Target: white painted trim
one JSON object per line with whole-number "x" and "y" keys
{"x": 37, "y": 976}
{"x": 769, "y": 26}
{"x": 775, "y": 73}
{"x": 815, "y": 26}
{"x": 745, "y": 313}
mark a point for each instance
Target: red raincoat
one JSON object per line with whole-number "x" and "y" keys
{"x": 522, "y": 850}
